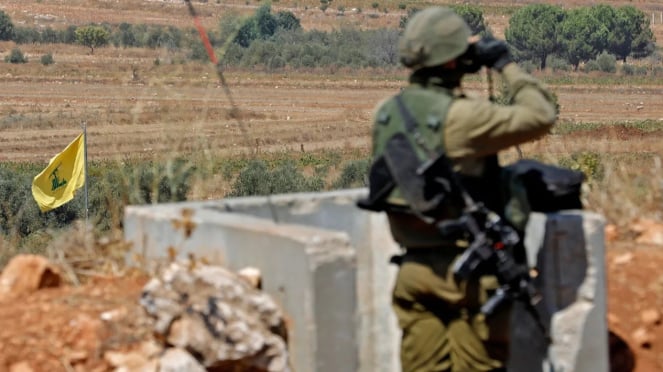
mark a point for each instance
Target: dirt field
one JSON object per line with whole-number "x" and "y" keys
{"x": 134, "y": 108}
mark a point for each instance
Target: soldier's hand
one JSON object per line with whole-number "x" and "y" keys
{"x": 493, "y": 53}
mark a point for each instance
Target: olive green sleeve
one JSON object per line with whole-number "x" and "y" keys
{"x": 478, "y": 127}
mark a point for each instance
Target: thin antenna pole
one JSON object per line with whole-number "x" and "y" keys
{"x": 219, "y": 70}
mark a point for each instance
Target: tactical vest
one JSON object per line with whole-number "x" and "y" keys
{"x": 428, "y": 108}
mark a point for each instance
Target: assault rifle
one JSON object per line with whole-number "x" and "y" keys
{"x": 491, "y": 253}
{"x": 492, "y": 244}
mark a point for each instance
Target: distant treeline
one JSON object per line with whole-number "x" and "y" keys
{"x": 538, "y": 34}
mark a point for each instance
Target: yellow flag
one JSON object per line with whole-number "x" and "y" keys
{"x": 65, "y": 174}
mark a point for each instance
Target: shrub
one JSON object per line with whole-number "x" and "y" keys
{"x": 6, "y": 26}
{"x": 16, "y": 56}
{"x": 47, "y": 59}
{"x": 556, "y": 63}
{"x": 353, "y": 175}
{"x": 587, "y": 162}
{"x": 529, "y": 66}
{"x": 606, "y": 62}
{"x": 24, "y": 35}
{"x": 257, "y": 179}
{"x": 631, "y": 70}
{"x": 591, "y": 66}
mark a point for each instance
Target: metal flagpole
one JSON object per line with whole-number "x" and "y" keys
{"x": 84, "y": 124}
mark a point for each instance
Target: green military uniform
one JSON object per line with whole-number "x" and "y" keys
{"x": 443, "y": 329}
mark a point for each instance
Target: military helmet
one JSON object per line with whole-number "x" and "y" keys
{"x": 433, "y": 37}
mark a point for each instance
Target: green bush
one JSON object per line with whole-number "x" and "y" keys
{"x": 257, "y": 179}
{"x": 353, "y": 175}
{"x": 607, "y": 62}
{"x": 47, "y": 59}
{"x": 631, "y": 70}
{"x": 6, "y": 26}
{"x": 587, "y": 162}
{"x": 556, "y": 63}
{"x": 591, "y": 66}
{"x": 16, "y": 56}
{"x": 529, "y": 66}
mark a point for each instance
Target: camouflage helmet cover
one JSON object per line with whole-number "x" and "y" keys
{"x": 433, "y": 37}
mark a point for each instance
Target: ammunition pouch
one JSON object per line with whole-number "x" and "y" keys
{"x": 426, "y": 186}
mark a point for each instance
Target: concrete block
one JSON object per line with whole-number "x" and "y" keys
{"x": 310, "y": 272}
{"x": 377, "y": 333}
{"x": 568, "y": 251}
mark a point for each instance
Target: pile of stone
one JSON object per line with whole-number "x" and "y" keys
{"x": 210, "y": 318}
{"x": 202, "y": 317}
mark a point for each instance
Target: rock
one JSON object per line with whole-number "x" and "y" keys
{"x": 653, "y": 235}
{"x": 27, "y": 273}
{"x": 642, "y": 338}
{"x": 611, "y": 233}
{"x": 650, "y": 231}
{"x": 21, "y": 367}
{"x": 252, "y": 275}
{"x": 132, "y": 361}
{"x": 142, "y": 359}
{"x": 178, "y": 360}
{"x": 650, "y": 317}
{"x": 217, "y": 316}
{"x": 623, "y": 258}
{"x": 613, "y": 319}
{"x": 113, "y": 315}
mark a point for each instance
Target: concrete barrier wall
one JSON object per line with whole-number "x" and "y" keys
{"x": 308, "y": 271}
{"x": 567, "y": 250}
{"x": 287, "y": 236}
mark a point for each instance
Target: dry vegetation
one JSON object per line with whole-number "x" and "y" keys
{"x": 136, "y": 108}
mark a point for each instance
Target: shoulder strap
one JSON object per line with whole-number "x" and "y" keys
{"x": 410, "y": 121}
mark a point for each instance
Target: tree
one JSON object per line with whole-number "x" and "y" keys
{"x": 261, "y": 25}
{"x": 265, "y": 22}
{"x": 532, "y": 32}
{"x": 247, "y": 33}
{"x": 628, "y": 30}
{"x": 582, "y": 36}
{"x": 48, "y": 35}
{"x": 69, "y": 35}
{"x": 126, "y": 37}
{"x": 608, "y": 16}
{"x": 632, "y": 34}
{"x": 287, "y": 21}
{"x": 92, "y": 37}
{"x": 473, "y": 15}
{"x": 6, "y": 27}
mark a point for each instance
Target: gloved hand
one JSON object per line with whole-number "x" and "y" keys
{"x": 492, "y": 53}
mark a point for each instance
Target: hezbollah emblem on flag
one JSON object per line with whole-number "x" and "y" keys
{"x": 65, "y": 173}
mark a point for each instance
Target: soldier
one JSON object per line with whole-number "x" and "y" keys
{"x": 443, "y": 329}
